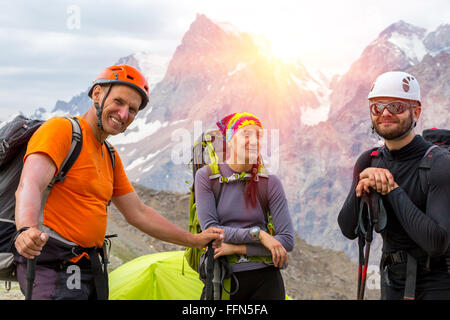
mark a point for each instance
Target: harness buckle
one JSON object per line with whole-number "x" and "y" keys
{"x": 242, "y": 258}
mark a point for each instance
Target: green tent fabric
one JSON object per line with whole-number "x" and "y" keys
{"x": 158, "y": 276}
{"x": 155, "y": 277}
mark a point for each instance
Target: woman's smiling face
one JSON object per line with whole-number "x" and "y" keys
{"x": 245, "y": 145}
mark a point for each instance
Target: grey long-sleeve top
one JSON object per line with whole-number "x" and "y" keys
{"x": 236, "y": 219}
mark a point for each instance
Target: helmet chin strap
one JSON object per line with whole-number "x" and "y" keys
{"x": 100, "y": 109}
{"x": 413, "y": 125}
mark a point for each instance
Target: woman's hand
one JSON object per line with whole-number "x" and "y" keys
{"x": 227, "y": 249}
{"x": 279, "y": 253}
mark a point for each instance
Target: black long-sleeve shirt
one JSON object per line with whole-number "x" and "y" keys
{"x": 414, "y": 219}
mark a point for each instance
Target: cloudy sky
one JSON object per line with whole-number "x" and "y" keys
{"x": 53, "y": 49}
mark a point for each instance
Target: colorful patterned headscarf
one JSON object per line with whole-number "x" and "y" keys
{"x": 233, "y": 122}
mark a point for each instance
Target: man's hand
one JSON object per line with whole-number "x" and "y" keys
{"x": 378, "y": 179}
{"x": 30, "y": 242}
{"x": 202, "y": 239}
{"x": 279, "y": 253}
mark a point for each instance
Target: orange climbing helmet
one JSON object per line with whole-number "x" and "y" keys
{"x": 124, "y": 74}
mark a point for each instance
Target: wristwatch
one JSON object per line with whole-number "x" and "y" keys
{"x": 254, "y": 233}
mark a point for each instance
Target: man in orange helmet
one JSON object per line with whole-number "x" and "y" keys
{"x": 66, "y": 230}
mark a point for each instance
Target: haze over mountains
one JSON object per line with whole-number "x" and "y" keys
{"x": 317, "y": 125}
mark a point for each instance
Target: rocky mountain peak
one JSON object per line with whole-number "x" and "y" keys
{"x": 403, "y": 28}
{"x": 438, "y": 40}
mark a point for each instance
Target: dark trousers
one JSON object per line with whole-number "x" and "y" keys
{"x": 431, "y": 285}
{"x": 68, "y": 281}
{"x": 260, "y": 284}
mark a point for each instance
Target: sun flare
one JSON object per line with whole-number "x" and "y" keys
{"x": 279, "y": 48}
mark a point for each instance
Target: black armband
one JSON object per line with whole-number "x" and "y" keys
{"x": 14, "y": 238}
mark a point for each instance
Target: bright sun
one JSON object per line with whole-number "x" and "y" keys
{"x": 278, "y": 47}
{"x": 283, "y": 50}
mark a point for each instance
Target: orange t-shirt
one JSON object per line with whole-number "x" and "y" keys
{"x": 76, "y": 208}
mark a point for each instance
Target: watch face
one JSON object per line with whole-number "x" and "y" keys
{"x": 254, "y": 232}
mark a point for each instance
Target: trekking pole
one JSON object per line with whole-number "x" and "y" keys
{"x": 31, "y": 272}
{"x": 365, "y": 236}
{"x": 361, "y": 243}
{"x": 209, "y": 273}
{"x": 364, "y": 270}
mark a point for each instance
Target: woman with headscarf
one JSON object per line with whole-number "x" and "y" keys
{"x": 255, "y": 245}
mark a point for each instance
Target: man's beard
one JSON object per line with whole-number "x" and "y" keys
{"x": 393, "y": 133}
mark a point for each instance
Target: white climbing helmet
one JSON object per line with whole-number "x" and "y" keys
{"x": 396, "y": 84}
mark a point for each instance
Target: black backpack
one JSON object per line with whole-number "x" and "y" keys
{"x": 14, "y": 137}
{"x": 440, "y": 138}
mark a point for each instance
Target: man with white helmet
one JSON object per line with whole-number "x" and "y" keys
{"x": 416, "y": 254}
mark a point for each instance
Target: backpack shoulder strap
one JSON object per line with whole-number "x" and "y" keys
{"x": 216, "y": 185}
{"x": 112, "y": 156}
{"x": 425, "y": 163}
{"x": 262, "y": 192}
{"x": 112, "y": 153}
{"x": 375, "y": 157}
{"x": 74, "y": 151}
{"x": 425, "y": 166}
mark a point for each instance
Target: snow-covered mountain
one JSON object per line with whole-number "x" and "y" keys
{"x": 321, "y": 124}
{"x": 216, "y": 70}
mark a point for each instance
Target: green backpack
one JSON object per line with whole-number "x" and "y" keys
{"x": 209, "y": 149}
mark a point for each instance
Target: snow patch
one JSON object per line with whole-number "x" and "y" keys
{"x": 229, "y": 28}
{"x": 153, "y": 66}
{"x": 137, "y": 162}
{"x": 312, "y": 116}
{"x": 239, "y": 67}
{"x": 131, "y": 153}
{"x": 137, "y": 131}
{"x": 178, "y": 121}
{"x": 413, "y": 46}
{"x": 147, "y": 168}
{"x": 308, "y": 84}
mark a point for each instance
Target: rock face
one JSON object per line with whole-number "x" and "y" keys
{"x": 317, "y": 126}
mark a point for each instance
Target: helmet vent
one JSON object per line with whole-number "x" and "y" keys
{"x": 130, "y": 77}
